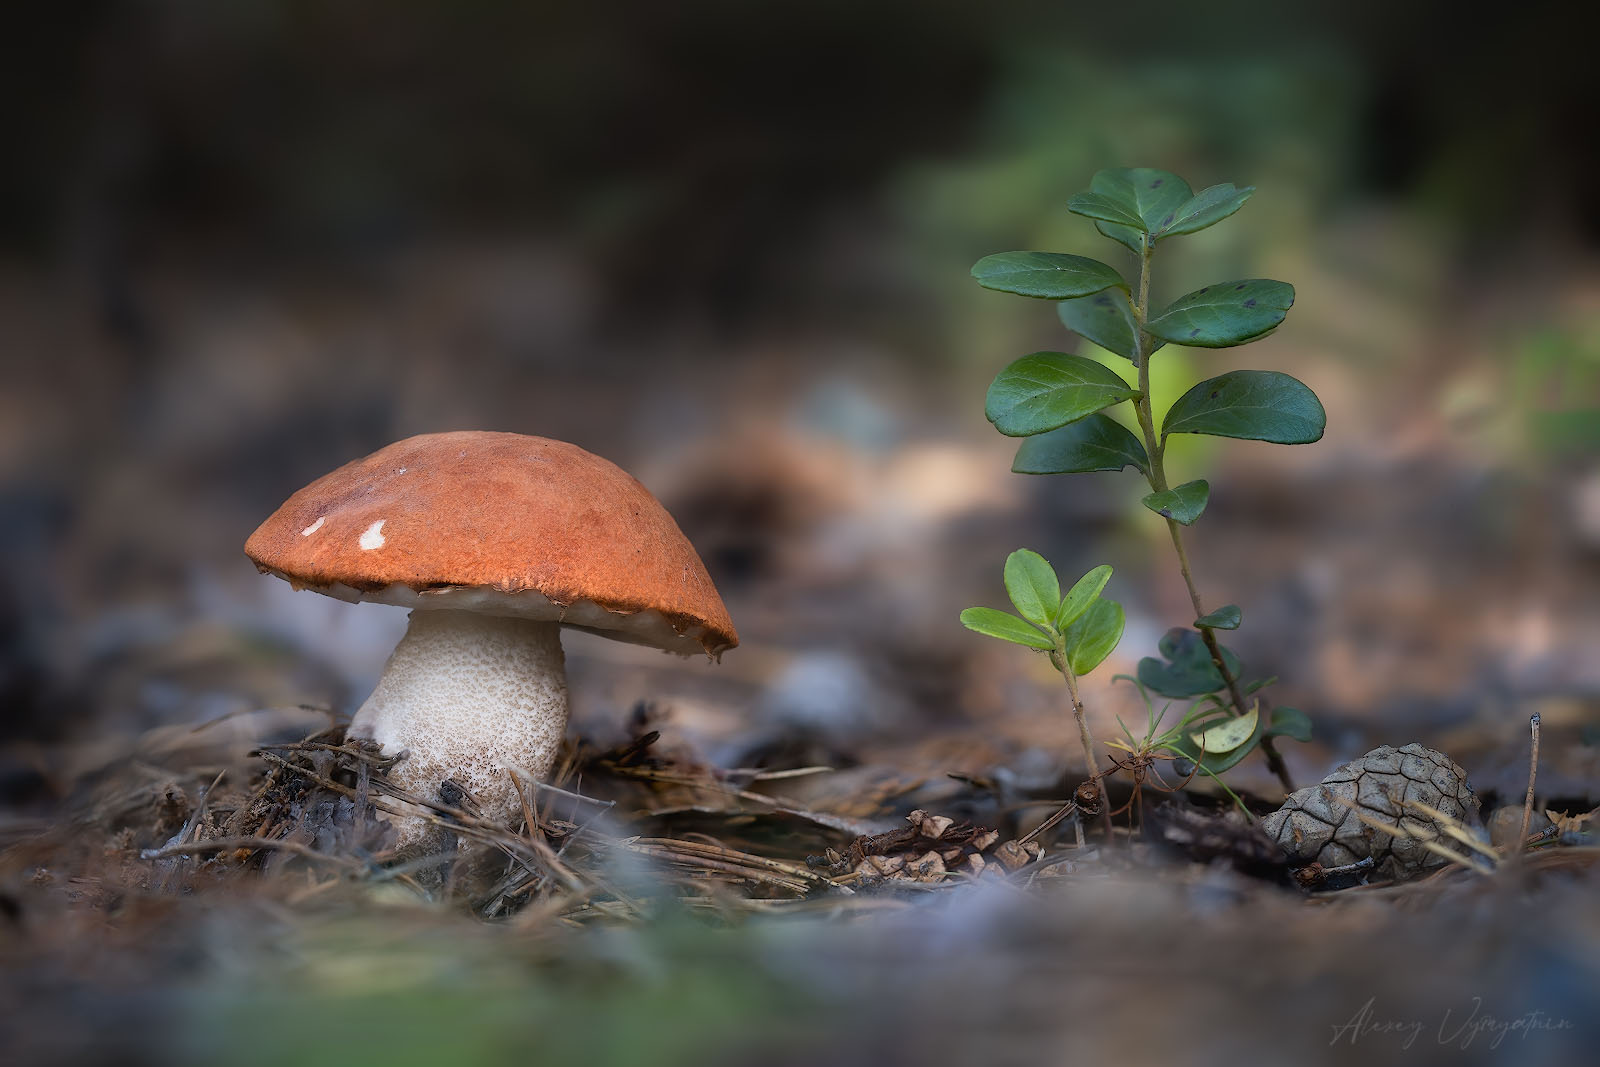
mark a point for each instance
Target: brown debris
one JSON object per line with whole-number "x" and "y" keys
{"x": 929, "y": 849}
{"x": 1090, "y": 797}
{"x": 927, "y": 868}
{"x": 1576, "y": 829}
{"x": 932, "y": 827}
{"x": 1209, "y": 837}
{"x": 1012, "y": 856}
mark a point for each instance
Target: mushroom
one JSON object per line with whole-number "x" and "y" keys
{"x": 495, "y": 541}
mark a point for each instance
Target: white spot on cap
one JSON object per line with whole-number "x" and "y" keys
{"x": 314, "y": 527}
{"x": 372, "y": 536}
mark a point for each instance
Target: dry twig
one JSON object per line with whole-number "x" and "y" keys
{"x": 1533, "y": 774}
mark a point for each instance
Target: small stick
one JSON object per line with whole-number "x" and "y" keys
{"x": 1060, "y": 663}
{"x": 1533, "y": 774}
{"x": 1362, "y": 864}
{"x": 346, "y": 749}
{"x": 229, "y": 844}
{"x": 605, "y": 805}
{"x": 363, "y": 794}
{"x": 756, "y": 774}
{"x": 192, "y": 824}
{"x": 542, "y": 848}
{"x": 200, "y": 808}
{"x": 1070, "y": 807}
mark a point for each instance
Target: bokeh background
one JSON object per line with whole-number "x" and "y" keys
{"x": 726, "y": 245}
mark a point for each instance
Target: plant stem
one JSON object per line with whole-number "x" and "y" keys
{"x": 1089, "y": 761}
{"x": 1157, "y": 477}
{"x": 1209, "y": 636}
{"x": 1141, "y": 359}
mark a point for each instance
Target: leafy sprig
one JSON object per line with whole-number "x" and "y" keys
{"x": 1056, "y": 402}
{"x": 1078, "y": 629}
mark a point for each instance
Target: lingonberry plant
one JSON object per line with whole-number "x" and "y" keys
{"x": 1078, "y": 630}
{"x": 1056, "y": 402}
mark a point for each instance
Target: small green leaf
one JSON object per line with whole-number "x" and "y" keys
{"x": 1187, "y": 670}
{"x": 1229, "y": 734}
{"x": 1207, "y": 712}
{"x": 1206, "y": 208}
{"x": 1005, "y": 626}
{"x": 1105, "y": 319}
{"x": 1046, "y": 275}
{"x": 1153, "y": 196}
{"x": 1091, "y": 638}
{"x": 1253, "y": 405}
{"x": 1225, "y": 314}
{"x": 1291, "y": 723}
{"x": 1081, "y": 595}
{"x": 1126, "y": 235}
{"x": 1096, "y": 206}
{"x": 1224, "y": 618}
{"x": 1032, "y": 585}
{"x": 1050, "y": 389}
{"x": 1217, "y": 762}
{"x": 1093, "y": 443}
{"x": 1182, "y": 503}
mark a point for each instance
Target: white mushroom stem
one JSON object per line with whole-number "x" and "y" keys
{"x": 469, "y": 695}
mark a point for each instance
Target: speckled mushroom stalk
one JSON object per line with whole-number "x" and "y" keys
{"x": 470, "y": 698}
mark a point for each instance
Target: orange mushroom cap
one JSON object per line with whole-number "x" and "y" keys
{"x": 502, "y": 523}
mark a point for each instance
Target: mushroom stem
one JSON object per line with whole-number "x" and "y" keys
{"x": 468, "y": 695}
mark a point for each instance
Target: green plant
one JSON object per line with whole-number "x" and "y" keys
{"x": 1207, "y": 738}
{"x": 1078, "y": 630}
{"x": 1056, "y": 401}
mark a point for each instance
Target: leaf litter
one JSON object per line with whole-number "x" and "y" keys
{"x": 860, "y": 894}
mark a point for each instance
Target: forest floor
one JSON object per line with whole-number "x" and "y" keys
{"x": 209, "y": 901}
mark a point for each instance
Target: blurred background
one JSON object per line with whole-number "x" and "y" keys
{"x": 726, "y": 245}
